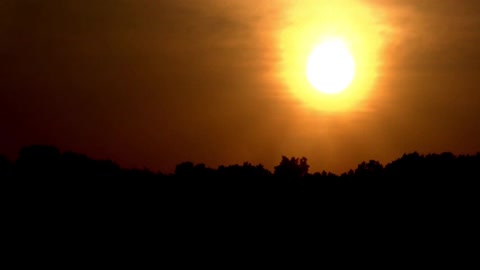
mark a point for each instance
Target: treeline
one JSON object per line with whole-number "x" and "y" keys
{"x": 45, "y": 161}
{"x": 49, "y": 192}
{"x": 43, "y": 178}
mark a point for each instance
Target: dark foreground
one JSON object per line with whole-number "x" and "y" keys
{"x": 43, "y": 173}
{"x": 416, "y": 204}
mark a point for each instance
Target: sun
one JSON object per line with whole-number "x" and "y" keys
{"x": 330, "y": 67}
{"x": 329, "y": 55}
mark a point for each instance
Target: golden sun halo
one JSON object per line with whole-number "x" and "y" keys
{"x": 329, "y": 54}
{"x": 330, "y": 67}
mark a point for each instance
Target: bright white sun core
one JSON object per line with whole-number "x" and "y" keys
{"x": 330, "y": 67}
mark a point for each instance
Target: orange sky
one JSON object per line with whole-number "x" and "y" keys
{"x": 155, "y": 83}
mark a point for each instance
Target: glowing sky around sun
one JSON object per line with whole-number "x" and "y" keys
{"x": 156, "y": 83}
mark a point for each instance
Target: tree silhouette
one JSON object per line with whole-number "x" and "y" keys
{"x": 245, "y": 171}
{"x": 291, "y": 168}
{"x": 39, "y": 160}
{"x": 433, "y": 173}
{"x": 6, "y": 167}
{"x": 184, "y": 169}
{"x": 189, "y": 170}
{"x": 372, "y": 169}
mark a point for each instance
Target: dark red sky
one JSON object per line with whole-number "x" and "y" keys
{"x": 156, "y": 83}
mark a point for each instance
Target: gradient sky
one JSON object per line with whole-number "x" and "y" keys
{"x": 155, "y": 83}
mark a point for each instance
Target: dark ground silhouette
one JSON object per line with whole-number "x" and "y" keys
{"x": 45, "y": 178}
{"x": 48, "y": 162}
{"x": 430, "y": 174}
{"x": 428, "y": 196}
